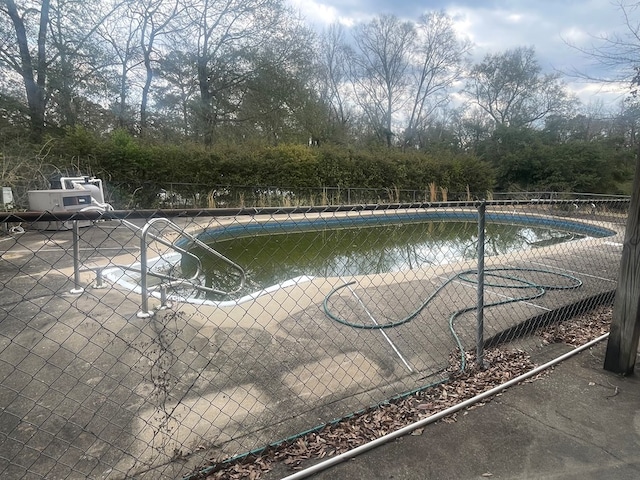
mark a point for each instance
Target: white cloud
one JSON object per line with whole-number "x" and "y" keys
{"x": 320, "y": 14}
{"x": 515, "y": 17}
{"x": 462, "y": 24}
{"x": 574, "y": 35}
{"x": 591, "y": 92}
{"x": 316, "y": 12}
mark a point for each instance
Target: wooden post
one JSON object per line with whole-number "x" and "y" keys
{"x": 622, "y": 346}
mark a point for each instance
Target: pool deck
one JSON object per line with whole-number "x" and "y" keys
{"x": 579, "y": 422}
{"x": 87, "y": 371}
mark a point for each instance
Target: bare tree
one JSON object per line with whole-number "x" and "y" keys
{"x": 30, "y": 65}
{"x": 437, "y": 63}
{"x": 615, "y": 55}
{"x": 512, "y": 90}
{"x": 157, "y": 20}
{"x": 51, "y": 46}
{"x": 76, "y": 62}
{"x": 132, "y": 37}
{"x": 333, "y": 73}
{"x": 380, "y": 66}
{"x": 231, "y": 37}
{"x": 121, "y": 33}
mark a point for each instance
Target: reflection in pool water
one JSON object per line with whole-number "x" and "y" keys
{"x": 271, "y": 258}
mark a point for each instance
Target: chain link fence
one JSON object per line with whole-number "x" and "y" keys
{"x": 148, "y": 344}
{"x": 173, "y": 195}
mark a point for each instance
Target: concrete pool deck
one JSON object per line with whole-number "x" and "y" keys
{"x": 579, "y": 422}
{"x": 109, "y": 389}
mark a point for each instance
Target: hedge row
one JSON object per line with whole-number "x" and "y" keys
{"x": 126, "y": 160}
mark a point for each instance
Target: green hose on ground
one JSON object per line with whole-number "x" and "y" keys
{"x": 507, "y": 280}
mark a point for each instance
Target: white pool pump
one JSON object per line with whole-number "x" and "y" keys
{"x": 68, "y": 194}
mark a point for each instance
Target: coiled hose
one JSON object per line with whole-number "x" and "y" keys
{"x": 507, "y": 280}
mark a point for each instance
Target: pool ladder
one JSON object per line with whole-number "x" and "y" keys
{"x": 168, "y": 280}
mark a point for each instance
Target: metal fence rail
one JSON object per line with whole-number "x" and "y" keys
{"x": 121, "y": 355}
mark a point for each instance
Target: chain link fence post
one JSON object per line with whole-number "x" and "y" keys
{"x": 482, "y": 207}
{"x": 77, "y": 289}
{"x": 144, "y": 290}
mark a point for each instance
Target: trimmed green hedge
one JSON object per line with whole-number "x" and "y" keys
{"x": 124, "y": 160}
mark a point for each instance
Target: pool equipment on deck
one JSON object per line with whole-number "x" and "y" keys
{"x": 6, "y": 198}
{"x": 68, "y": 194}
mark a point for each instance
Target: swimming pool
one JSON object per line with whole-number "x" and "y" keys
{"x": 286, "y": 252}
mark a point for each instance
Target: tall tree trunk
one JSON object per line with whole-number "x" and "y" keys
{"x": 34, "y": 81}
{"x": 622, "y": 346}
{"x": 206, "y": 100}
{"x": 122, "y": 108}
{"x": 145, "y": 92}
{"x": 66, "y": 95}
{"x": 65, "y": 77}
{"x": 146, "y": 55}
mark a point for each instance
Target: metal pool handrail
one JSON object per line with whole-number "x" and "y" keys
{"x": 102, "y": 208}
{"x": 144, "y": 232}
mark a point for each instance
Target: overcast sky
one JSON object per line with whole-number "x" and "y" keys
{"x": 496, "y": 25}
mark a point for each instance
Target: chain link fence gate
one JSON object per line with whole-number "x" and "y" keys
{"x": 147, "y": 344}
